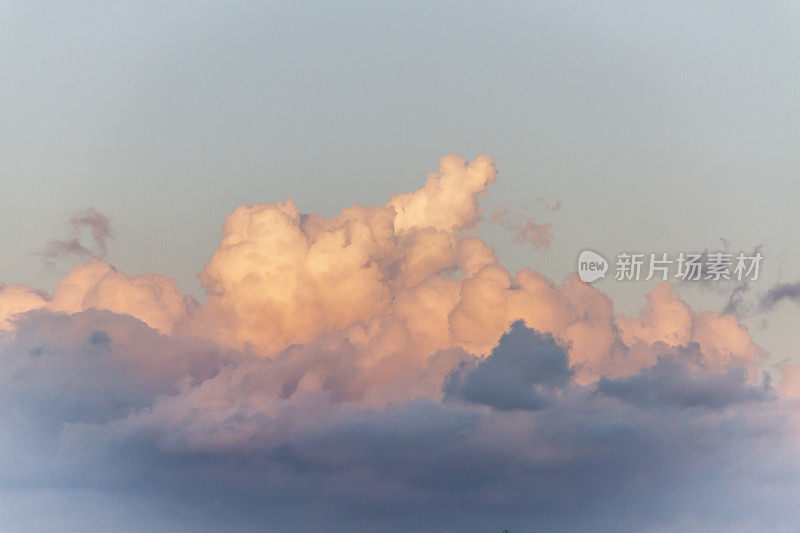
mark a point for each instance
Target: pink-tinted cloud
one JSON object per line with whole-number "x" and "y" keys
{"x": 383, "y": 360}
{"x": 525, "y": 229}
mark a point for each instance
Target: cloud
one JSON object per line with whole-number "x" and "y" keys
{"x": 98, "y": 226}
{"x": 151, "y": 298}
{"x": 15, "y": 299}
{"x": 673, "y": 381}
{"x": 735, "y": 291}
{"x": 95, "y": 366}
{"x": 522, "y": 372}
{"x": 554, "y": 207}
{"x": 779, "y": 293}
{"x": 282, "y": 277}
{"x": 525, "y": 229}
{"x": 97, "y": 223}
{"x": 789, "y": 386}
{"x": 736, "y": 300}
{"x": 232, "y": 439}
{"x": 380, "y": 369}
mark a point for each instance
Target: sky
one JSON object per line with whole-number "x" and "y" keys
{"x": 277, "y": 264}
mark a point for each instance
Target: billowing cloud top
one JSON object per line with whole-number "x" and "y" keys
{"x": 381, "y": 368}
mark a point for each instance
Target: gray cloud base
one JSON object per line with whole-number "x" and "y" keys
{"x": 110, "y": 424}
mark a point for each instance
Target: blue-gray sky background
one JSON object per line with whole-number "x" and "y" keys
{"x": 660, "y": 127}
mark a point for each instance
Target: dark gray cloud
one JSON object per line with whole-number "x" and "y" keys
{"x": 736, "y": 299}
{"x": 779, "y": 293}
{"x": 671, "y": 382}
{"x": 520, "y": 373}
{"x": 111, "y": 425}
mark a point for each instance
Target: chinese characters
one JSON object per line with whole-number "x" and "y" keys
{"x": 688, "y": 266}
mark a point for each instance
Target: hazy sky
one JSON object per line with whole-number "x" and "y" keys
{"x": 659, "y": 127}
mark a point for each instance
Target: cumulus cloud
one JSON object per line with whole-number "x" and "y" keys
{"x": 15, "y": 299}
{"x": 238, "y": 441}
{"x": 380, "y": 369}
{"x": 149, "y": 297}
{"x": 281, "y": 277}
